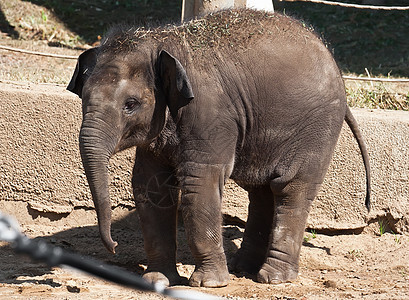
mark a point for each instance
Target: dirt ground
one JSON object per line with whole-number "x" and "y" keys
{"x": 343, "y": 266}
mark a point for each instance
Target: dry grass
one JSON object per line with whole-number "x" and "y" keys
{"x": 35, "y": 69}
{"x": 35, "y": 22}
{"x": 378, "y": 97}
{"x": 234, "y": 29}
{"x": 394, "y": 96}
{"x": 75, "y": 22}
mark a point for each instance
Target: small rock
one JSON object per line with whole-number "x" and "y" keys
{"x": 73, "y": 289}
{"x": 330, "y": 284}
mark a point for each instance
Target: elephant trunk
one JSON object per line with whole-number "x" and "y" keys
{"x": 96, "y": 147}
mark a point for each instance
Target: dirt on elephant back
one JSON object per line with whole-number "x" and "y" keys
{"x": 343, "y": 266}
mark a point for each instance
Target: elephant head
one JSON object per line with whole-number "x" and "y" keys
{"x": 125, "y": 102}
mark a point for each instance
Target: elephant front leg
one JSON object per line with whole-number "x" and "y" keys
{"x": 156, "y": 196}
{"x": 201, "y": 208}
{"x": 159, "y": 232}
{"x": 291, "y": 208}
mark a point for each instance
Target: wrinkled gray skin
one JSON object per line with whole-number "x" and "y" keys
{"x": 267, "y": 114}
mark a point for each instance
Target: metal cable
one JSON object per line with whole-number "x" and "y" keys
{"x": 373, "y": 7}
{"x": 56, "y": 256}
{"x": 37, "y": 53}
{"x": 75, "y": 57}
{"x": 374, "y": 79}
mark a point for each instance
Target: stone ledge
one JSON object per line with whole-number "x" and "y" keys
{"x": 40, "y": 166}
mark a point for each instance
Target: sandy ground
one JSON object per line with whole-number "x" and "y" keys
{"x": 364, "y": 266}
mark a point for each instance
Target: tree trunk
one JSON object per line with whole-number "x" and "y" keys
{"x": 195, "y": 8}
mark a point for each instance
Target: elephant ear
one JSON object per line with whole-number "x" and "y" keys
{"x": 175, "y": 82}
{"x": 85, "y": 64}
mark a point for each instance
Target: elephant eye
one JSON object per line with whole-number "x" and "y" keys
{"x": 131, "y": 104}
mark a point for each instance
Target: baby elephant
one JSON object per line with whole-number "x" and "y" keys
{"x": 240, "y": 94}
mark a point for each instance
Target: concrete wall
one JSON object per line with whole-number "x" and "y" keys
{"x": 41, "y": 177}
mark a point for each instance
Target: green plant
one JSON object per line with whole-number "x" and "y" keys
{"x": 313, "y": 235}
{"x": 44, "y": 16}
{"x": 381, "y": 227}
{"x": 354, "y": 254}
{"x": 396, "y": 238}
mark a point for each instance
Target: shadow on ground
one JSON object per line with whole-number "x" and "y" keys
{"x": 90, "y": 18}
{"x": 5, "y": 26}
{"x": 361, "y": 38}
{"x": 18, "y": 269}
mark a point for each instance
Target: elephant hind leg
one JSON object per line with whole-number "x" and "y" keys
{"x": 291, "y": 208}
{"x": 252, "y": 253}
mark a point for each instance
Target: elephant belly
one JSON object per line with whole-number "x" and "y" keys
{"x": 252, "y": 170}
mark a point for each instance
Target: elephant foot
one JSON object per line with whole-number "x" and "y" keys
{"x": 210, "y": 276}
{"x": 241, "y": 263}
{"x": 245, "y": 263}
{"x": 172, "y": 278}
{"x": 275, "y": 271}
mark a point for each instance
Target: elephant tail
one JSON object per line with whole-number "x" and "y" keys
{"x": 352, "y": 123}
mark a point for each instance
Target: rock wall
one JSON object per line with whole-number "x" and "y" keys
{"x": 42, "y": 180}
